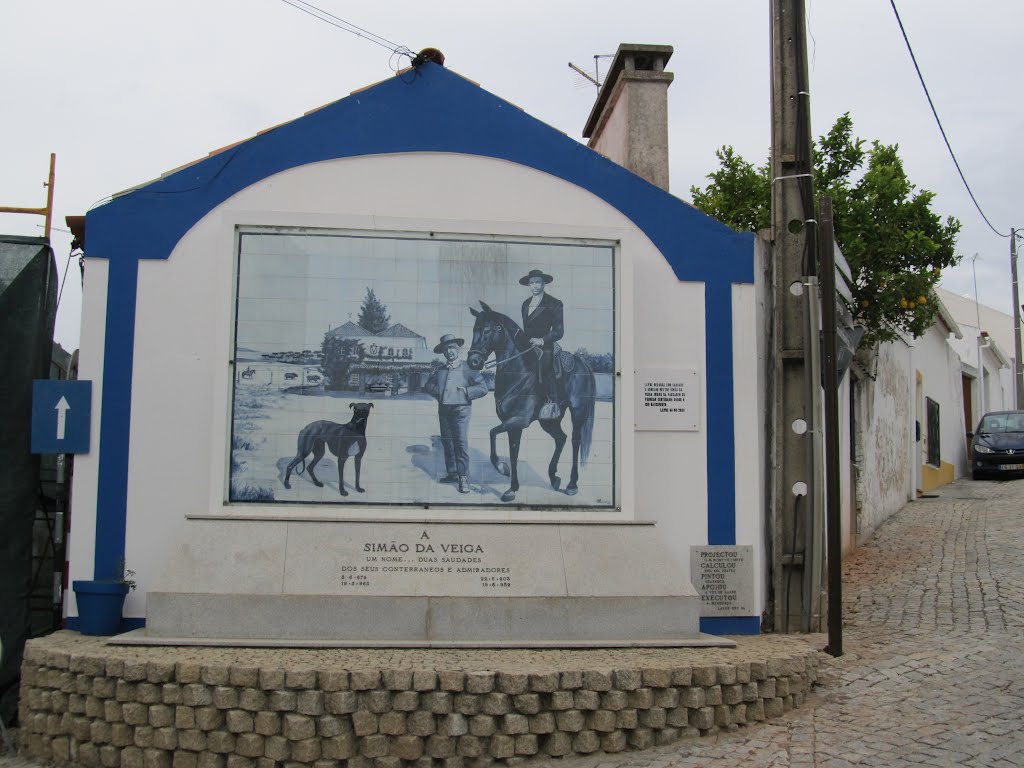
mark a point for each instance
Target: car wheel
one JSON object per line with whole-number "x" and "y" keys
{"x": 977, "y": 475}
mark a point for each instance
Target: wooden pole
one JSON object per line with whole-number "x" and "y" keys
{"x": 49, "y": 196}
{"x": 47, "y": 211}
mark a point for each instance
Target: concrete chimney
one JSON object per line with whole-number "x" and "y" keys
{"x": 629, "y": 122}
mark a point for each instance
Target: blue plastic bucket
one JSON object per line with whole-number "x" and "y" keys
{"x": 100, "y": 604}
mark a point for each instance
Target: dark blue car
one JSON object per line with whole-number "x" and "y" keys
{"x": 997, "y": 447}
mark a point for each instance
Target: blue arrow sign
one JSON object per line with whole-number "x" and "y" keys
{"x": 61, "y": 416}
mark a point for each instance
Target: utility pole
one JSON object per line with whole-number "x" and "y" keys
{"x": 795, "y": 399}
{"x": 1018, "y": 367}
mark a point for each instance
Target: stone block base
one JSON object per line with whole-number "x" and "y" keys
{"x": 87, "y": 703}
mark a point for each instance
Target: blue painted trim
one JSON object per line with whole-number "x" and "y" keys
{"x": 390, "y": 117}
{"x": 721, "y": 426}
{"x": 115, "y": 419}
{"x": 730, "y": 625}
{"x": 432, "y": 110}
{"x": 127, "y": 624}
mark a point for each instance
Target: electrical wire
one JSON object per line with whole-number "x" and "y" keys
{"x": 347, "y": 26}
{"x": 810, "y": 34}
{"x": 322, "y": 15}
{"x": 397, "y": 51}
{"x": 64, "y": 280}
{"x": 939, "y": 122}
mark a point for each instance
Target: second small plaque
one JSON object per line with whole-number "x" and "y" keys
{"x": 667, "y": 399}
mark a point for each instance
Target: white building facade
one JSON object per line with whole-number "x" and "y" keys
{"x": 669, "y": 291}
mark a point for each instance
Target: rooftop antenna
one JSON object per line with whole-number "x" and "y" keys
{"x": 594, "y": 79}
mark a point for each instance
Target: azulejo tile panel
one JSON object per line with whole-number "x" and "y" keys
{"x": 378, "y": 369}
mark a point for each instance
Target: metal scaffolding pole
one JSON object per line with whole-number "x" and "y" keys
{"x": 1018, "y": 366}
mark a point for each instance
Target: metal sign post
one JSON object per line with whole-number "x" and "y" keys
{"x": 1018, "y": 366}
{"x": 830, "y": 376}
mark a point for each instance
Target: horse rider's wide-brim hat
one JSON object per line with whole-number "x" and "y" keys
{"x": 448, "y": 338}
{"x": 535, "y": 273}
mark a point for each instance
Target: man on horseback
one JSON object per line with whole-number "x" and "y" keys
{"x": 543, "y": 325}
{"x": 516, "y": 404}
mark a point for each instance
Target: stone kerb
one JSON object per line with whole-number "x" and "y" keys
{"x": 93, "y": 705}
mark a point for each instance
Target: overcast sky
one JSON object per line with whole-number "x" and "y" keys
{"x": 124, "y": 91}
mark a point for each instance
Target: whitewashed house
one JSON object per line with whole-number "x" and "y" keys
{"x": 904, "y": 419}
{"x": 190, "y": 475}
{"x": 987, "y": 341}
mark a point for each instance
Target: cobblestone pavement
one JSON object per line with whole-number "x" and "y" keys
{"x": 933, "y": 673}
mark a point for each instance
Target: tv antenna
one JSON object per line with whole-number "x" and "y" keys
{"x": 594, "y": 79}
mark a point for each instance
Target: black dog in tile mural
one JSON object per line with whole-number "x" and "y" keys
{"x": 343, "y": 440}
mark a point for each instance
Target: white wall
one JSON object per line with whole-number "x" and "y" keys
{"x": 998, "y": 382}
{"x": 762, "y": 322}
{"x": 967, "y": 314}
{"x": 1009, "y": 402}
{"x": 82, "y": 540}
{"x": 998, "y": 373}
{"x": 998, "y": 386}
{"x": 182, "y": 382}
{"x": 939, "y": 365}
{"x": 884, "y": 472}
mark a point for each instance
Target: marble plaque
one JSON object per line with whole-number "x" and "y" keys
{"x": 374, "y": 559}
{"x": 424, "y": 584}
{"x": 667, "y": 399}
{"x": 724, "y": 578}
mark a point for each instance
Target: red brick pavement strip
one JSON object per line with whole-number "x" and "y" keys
{"x": 934, "y": 668}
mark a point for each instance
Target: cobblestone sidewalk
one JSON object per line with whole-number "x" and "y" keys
{"x": 934, "y": 668}
{"x": 933, "y": 673}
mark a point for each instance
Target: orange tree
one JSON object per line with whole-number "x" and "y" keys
{"x": 895, "y": 244}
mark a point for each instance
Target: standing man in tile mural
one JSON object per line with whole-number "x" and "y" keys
{"x": 543, "y": 325}
{"x": 455, "y": 386}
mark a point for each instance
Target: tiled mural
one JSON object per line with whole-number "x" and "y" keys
{"x": 431, "y": 370}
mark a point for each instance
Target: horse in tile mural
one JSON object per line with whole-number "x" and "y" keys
{"x": 519, "y": 398}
